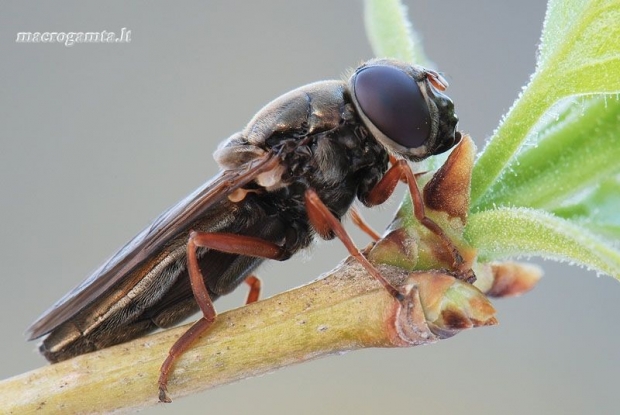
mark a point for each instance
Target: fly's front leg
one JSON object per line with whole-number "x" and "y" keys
{"x": 224, "y": 242}
{"x": 357, "y": 217}
{"x": 324, "y": 222}
{"x": 400, "y": 170}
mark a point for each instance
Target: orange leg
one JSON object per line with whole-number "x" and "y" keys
{"x": 359, "y": 221}
{"x": 224, "y": 242}
{"x": 324, "y": 222}
{"x": 383, "y": 190}
{"x": 255, "y": 287}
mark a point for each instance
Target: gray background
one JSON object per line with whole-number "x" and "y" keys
{"x": 97, "y": 139}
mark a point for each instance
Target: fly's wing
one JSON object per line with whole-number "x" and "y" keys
{"x": 163, "y": 229}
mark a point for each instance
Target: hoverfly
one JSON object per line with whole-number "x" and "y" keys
{"x": 292, "y": 173}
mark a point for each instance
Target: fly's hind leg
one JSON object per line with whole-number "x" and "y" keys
{"x": 255, "y": 288}
{"x": 224, "y": 242}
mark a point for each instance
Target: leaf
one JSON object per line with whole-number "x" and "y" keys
{"x": 579, "y": 54}
{"x": 581, "y": 39}
{"x": 597, "y": 210}
{"x": 510, "y": 232}
{"x": 390, "y": 33}
{"x": 575, "y": 152}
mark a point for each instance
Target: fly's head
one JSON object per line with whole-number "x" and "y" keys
{"x": 404, "y": 108}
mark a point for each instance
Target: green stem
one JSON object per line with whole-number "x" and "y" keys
{"x": 344, "y": 311}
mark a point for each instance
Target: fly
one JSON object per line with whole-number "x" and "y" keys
{"x": 291, "y": 174}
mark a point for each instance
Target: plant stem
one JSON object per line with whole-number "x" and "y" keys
{"x": 345, "y": 311}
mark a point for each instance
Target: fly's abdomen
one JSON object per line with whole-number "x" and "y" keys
{"x": 101, "y": 326}
{"x": 116, "y": 317}
{"x": 158, "y": 294}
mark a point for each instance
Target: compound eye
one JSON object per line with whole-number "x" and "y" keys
{"x": 393, "y": 102}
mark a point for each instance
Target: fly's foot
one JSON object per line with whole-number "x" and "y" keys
{"x": 163, "y": 394}
{"x": 467, "y": 276}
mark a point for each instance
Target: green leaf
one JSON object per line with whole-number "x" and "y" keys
{"x": 581, "y": 41}
{"x": 597, "y": 210}
{"x": 579, "y": 54}
{"x": 576, "y": 151}
{"x": 512, "y": 232}
{"x": 390, "y": 32}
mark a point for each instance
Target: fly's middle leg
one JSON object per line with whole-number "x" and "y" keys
{"x": 326, "y": 224}
{"x": 361, "y": 223}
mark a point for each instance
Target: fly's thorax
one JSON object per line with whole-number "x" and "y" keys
{"x": 284, "y": 127}
{"x": 301, "y": 112}
{"x": 338, "y": 165}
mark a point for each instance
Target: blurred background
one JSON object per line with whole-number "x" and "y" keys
{"x": 98, "y": 139}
